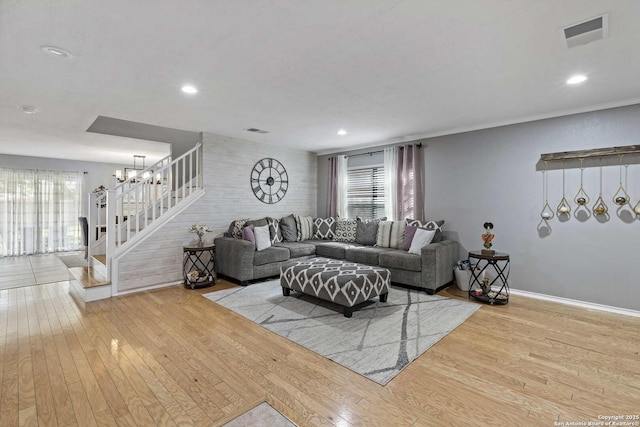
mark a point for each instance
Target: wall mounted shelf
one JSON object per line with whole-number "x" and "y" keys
{"x": 596, "y": 152}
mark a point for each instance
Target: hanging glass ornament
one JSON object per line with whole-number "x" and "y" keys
{"x": 563, "y": 207}
{"x": 600, "y": 208}
{"x": 547, "y": 212}
{"x": 581, "y": 198}
{"x": 636, "y": 208}
{"x": 621, "y": 197}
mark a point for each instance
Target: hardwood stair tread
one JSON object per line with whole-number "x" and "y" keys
{"x": 101, "y": 259}
{"x": 88, "y": 277}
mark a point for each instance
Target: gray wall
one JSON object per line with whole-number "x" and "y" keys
{"x": 495, "y": 175}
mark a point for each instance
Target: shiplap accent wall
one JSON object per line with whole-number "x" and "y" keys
{"x": 227, "y": 164}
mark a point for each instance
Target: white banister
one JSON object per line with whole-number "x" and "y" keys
{"x": 136, "y": 203}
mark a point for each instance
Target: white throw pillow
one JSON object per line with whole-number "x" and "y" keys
{"x": 420, "y": 239}
{"x": 263, "y": 239}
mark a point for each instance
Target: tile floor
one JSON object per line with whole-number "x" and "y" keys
{"x": 31, "y": 270}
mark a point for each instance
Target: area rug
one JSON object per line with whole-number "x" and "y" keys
{"x": 263, "y": 415}
{"x": 377, "y": 342}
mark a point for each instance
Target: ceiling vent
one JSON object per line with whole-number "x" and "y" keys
{"x": 586, "y": 31}
{"x": 256, "y": 130}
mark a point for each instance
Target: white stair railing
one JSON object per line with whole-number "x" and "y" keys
{"x": 136, "y": 203}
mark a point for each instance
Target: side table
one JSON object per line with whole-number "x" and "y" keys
{"x": 198, "y": 267}
{"x": 482, "y": 288}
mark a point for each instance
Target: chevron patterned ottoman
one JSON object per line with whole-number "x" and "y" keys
{"x": 342, "y": 282}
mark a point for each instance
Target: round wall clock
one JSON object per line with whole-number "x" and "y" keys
{"x": 269, "y": 180}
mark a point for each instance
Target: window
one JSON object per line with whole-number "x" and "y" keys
{"x": 365, "y": 192}
{"x": 39, "y": 211}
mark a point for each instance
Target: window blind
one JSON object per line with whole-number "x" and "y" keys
{"x": 365, "y": 192}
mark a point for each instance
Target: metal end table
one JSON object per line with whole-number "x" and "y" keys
{"x": 198, "y": 267}
{"x": 480, "y": 287}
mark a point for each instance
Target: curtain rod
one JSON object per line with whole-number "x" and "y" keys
{"x": 369, "y": 153}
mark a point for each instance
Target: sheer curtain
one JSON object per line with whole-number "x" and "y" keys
{"x": 39, "y": 211}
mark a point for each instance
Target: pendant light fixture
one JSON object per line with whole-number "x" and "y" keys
{"x": 581, "y": 198}
{"x": 547, "y": 212}
{"x": 600, "y": 208}
{"x": 563, "y": 207}
{"x": 621, "y": 197}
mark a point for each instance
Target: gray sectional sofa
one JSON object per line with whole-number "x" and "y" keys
{"x": 432, "y": 270}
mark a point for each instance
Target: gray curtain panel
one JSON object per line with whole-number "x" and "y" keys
{"x": 410, "y": 196}
{"x": 332, "y": 193}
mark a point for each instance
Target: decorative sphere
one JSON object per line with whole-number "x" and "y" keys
{"x": 599, "y": 210}
{"x": 564, "y": 209}
{"x": 581, "y": 201}
{"x": 621, "y": 201}
{"x": 546, "y": 215}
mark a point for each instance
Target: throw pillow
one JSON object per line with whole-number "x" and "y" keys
{"x": 420, "y": 239}
{"x": 304, "y": 227}
{"x": 263, "y": 240}
{"x": 367, "y": 230}
{"x": 248, "y": 235}
{"x": 391, "y": 234}
{"x": 346, "y": 230}
{"x": 324, "y": 228}
{"x": 288, "y": 226}
{"x": 429, "y": 225}
{"x": 235, "y": 228}
{"x": 409, "y": 232}
{"x": 274, "y": 230}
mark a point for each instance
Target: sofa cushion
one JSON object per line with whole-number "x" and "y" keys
{"x": 289, "y": 230}
{"x": 304, "y": 227}
{"x": 400, "y": 260}
{"x": 333, "y": 249}
{"x": 298, "y": 249}
{"x": 257, "y": 222}
{"x": 346, "y": 230}
{"x": 270, "y": 255}
{"x": 274, "y": 230}
{"x": 364, "y": 255}
{"x": 324, "y": 228}
{"x": 391, "y": 234}
{"x": 429, "y": 225}
{"x": 367, "y": 230}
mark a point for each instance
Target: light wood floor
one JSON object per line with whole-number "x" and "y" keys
{"x": 171, "y": 357}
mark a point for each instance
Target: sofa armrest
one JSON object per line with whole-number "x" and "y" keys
{"x": 438, "y": 260}
{"x": 234, "y": 258}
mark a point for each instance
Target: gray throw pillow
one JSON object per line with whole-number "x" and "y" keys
{"x": 274, "y": 230}
{"x": 257, "y": 222}
{"x": 367, "y": 230}
{"x": 235, "y": 228}
{"x": 324, "y": 228}
{"x": 289, "y": 230}
{"x": 429, "y": 225}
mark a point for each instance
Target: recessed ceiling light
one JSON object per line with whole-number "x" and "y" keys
{"x": 189, "y": 89}
{"x": 579, "y": 78}
{"x": 57, "y": 52}
{"x": 342, "y": 132}
{"x": 29, "y": 109}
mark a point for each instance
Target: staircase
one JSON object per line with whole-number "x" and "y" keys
{"x": 121, "y": 218}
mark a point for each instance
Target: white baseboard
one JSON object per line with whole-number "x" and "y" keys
{"x": 148, "y": 288}
{"x": 577, "y": 303}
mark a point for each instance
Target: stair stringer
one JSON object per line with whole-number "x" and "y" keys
{"x": 140, "y": 237}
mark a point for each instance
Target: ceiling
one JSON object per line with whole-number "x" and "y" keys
{"x": 383, "y": 70}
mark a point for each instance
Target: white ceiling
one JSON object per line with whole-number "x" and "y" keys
{"x": 384, "y": 70}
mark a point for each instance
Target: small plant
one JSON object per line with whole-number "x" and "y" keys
{"x": 199, "y": 229}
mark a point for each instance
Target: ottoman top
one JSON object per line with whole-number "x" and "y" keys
{"x": 340, "y": 267}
